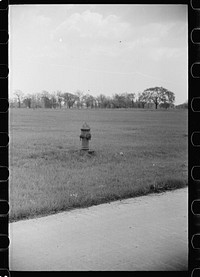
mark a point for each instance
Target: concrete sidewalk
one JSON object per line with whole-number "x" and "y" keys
{"x": 143, "y": 233}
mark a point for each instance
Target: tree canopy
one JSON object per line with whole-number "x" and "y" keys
{"x": 159, "y": 95}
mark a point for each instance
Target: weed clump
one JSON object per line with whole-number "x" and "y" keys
{"x": 169, "y": 184}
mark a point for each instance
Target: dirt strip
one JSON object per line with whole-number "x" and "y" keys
{"x": 143, "y": 233}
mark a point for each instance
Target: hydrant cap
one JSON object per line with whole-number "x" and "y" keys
{"x": 85, "y": 127}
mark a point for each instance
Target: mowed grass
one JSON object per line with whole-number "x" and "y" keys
{"x": 136, "y": 152}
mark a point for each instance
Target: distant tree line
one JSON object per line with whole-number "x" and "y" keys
{"x": 183, "y": 106}
{"x": 149, "y": 98}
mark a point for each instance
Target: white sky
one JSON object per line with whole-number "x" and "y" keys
{"x": 98, "y": 48}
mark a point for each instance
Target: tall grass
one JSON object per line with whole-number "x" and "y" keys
{"x": 136, "y": 152}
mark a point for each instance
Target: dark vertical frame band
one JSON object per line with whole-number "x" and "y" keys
{"x": 194, "y": 136}
{"x": 4, "y": 172}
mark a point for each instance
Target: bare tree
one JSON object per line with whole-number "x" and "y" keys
{"x": 143, "y": 98}
{"x": 89, "y": 100}
{"x": 27, "y": 101}
{"x": 102, "y": 101}
{"x": 131, "y": 97}
{"x": 69, "y": 99}
{"x": 80, "y": 99}
{"x": 60, "y": 98}
{"x": 19, "y": 95}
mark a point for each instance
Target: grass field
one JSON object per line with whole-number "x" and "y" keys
{"x": 48, "y": 173}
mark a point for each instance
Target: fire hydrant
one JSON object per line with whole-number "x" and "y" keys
{"x": 85, "y": 136}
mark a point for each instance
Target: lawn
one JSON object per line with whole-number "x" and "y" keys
{"x": 135, "y": 152}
